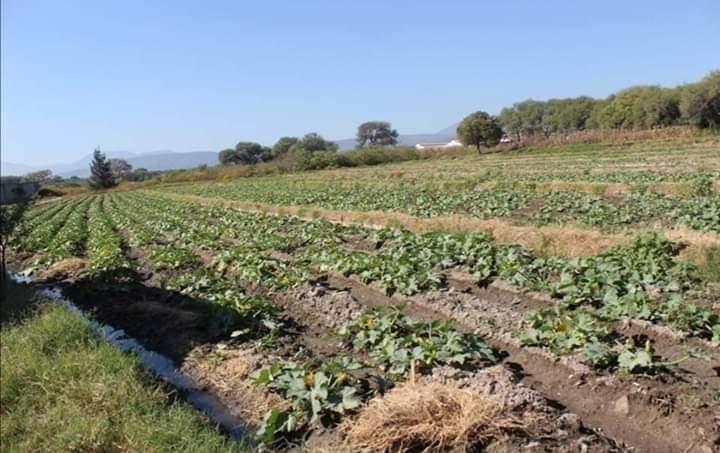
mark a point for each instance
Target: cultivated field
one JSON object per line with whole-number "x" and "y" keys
{"x": 552, "y": 299}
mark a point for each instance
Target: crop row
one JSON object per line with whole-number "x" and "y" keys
{"x": 621, "y": 280}
{"x": 701, "y": 212}
{"x": 179, "y": 266}
{"x": 60, "y": 236}
{"x": 637, "y": 177}
{"x": 105, "y": 246}
{"x": 641, "y": 280}
{"x": 408, "y": 263}
{"x": 316, "y": 390}
{"x": 70, "y": 239}
{"x": 36, "y": 232}
{"x": 594, "y": 293}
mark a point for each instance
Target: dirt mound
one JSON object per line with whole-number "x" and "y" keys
{"x": 228, "y": 373}
{"x": 496, "y": 383}
{"x": 546, "y": 426}
{"x": 334, "y": 308}
{"x": 66, "y": 269}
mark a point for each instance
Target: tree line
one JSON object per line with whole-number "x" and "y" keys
{"x": 639, "y": 107}
{"x": 309, "y": 148}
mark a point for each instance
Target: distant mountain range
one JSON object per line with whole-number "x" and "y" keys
{"x": 153, "y": 161}
{"x": 171, "y": 160}
{"x": 444, "y": 135}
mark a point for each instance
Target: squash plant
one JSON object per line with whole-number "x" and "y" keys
{"x": 315, "y": 390}
{"x": 394, "y": 340}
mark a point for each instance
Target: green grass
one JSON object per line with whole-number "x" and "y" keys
{"x": 63, "y": 389}
{"x": 710, "y": 264}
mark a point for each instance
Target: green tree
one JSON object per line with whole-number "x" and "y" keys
{"x": 315, "y": 142}
{"x": 479, "y": 129}
{"x": 572, "y": 114}
{"x": 376, "y": 133}
{"x": 246, "y": 153}
{"x": 700, "y": 102}
{"x": 139, "y": 174}
{"x": 597, "y": 116}
{"x": 227, "y": 156}
{"x": 511, "y": 122}
{"x": 657, "y": 107}
{"x": 531, "y": 116}
{"x": 283, "y": 145}
{"x": 101, "y": 176}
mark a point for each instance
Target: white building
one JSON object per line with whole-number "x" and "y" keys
{"x": 451, "y": 144}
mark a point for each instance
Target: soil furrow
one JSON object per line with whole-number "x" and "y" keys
{"x": 636, "y": 412}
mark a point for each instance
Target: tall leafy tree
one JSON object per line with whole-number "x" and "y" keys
{"x": 283, "y": 145}
{"x": 700, "y": 102}
{"x": 101, "y": 175}
{"x": 315, "y": 142}
{"x": 244, "y": 153}
{"x": 120, "y": 168}
{"x": 511, "y": 122}
{"x": 376, "y": 133}
{"x": 227, "y": 156}
{"x": 479, "y": 129}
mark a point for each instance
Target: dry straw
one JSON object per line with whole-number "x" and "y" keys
{"x": 428, "y": 418}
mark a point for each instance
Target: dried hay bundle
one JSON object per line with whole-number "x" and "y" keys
{"x": 428, "y": 417}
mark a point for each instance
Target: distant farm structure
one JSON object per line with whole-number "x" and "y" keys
{"x": 443, "y": 145}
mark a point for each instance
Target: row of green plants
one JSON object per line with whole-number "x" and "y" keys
{"x": 105, "y": 246}
{"x": 700, "y": 211}
{"x": 589, "y": 333}
{"x": 696, "y": 180}
{"x": 36, "y": 232}
{"x": 409, "y": 263}
{"x": 317, "y": 391}
{"x": 38, "y": 213}
{"x": 233, "y": 310}
{"x": 621, "y": 279}
{"x": 69, "y": 241}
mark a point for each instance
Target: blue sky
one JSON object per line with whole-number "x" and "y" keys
{"x": 188, "y": 75}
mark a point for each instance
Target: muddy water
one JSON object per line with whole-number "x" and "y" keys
{"x": 161, "y": 367}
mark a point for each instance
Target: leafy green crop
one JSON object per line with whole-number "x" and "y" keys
{"x": 314, "y": 390}
{"x": 423, "y": 199}
{"x": 563, "y": 330}
{"x": 394, "y": 340}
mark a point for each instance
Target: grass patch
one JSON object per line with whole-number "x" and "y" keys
{"x": 709, "y": 266}
{"x": 63, "y": 389}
